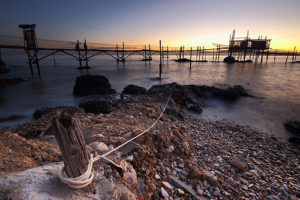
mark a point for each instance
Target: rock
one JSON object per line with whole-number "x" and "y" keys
{"x": 295, "y": 141}
{"x": 157, "y": 177}
{"x": 293, "y": 127}
{"x": 39, "y": 112}
{"x": 164, "y": 193}
{"x": 10, "y": 81}
{"x": 167, "y": 185}
{"x": 129, "y": 174}
{"x": 10, "y": 117}
{"x": 216, "y": 193}
{"x": 199, "y": 190}
{"x": 129, "y": 148}
{"x": 99, "y": 104}
{"x": 219, "y": 159}
{"x": 134, "y": 89}
{"x": 229, "y": 59}
{"x": 129, "y": 158}
{"x": 284, "y": 192}
{"x": 195, "y": 108}
{"x": 180, "y": 191}
{"x": 100, "y": 147}
{"x": 238, "y": 164}
{"x": 185, "y": 146}
{"x": 170, "y": 149}
{"x": 185, "y": 187}
{"x": 91, "y": 85}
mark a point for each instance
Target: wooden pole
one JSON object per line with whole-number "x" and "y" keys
{"x": 117, "y": 53}
{"x": 54, "y": 57}
{"x": 36, "y": 60}
{"x": 191, "y": 57}
{"x": 160, "y": 64}
{"x": 29, "y": 61}
{"x": 123, "y": 55}
{"x": 267, "y": 56}
{"x": 275, "y": 56}
{"x": 183, "y": 52}
{"x": 72, "y": 146}
{"x": 287, "y": 57}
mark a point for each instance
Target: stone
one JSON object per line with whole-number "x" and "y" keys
{"x": 238, "y": 164}
{"x": 129, "y": 158}
{"x": 216, "y": 193}
{"x": 167, "y": 185}
{"x": 99, "y": 104}
{"x": 91, "y": 85}
{"x": 180, "y": 191}
{"x": 157, "y": 177}
{"x": 170, "y": 149}
{"x": 164, "y": 193}
{"x": 100, "y": 147}
{"x": 293, "y": 127}
{"x": 229, "y": 59}
{"x": 134, "y": 89}
{"x": 185, "y": 145}
{"x": 219, "y": 159}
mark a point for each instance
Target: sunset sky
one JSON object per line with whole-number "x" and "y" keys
{"x": 175, "y": 22}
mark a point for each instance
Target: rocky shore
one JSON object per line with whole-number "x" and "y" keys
{"x": 182, "y": 157}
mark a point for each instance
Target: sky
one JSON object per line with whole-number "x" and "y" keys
{"x": 175, "y": 22}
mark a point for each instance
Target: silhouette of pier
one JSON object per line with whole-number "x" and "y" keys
{"x": 239, "y": 50}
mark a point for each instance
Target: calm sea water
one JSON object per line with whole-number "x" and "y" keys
{"x": 277, "y": 84}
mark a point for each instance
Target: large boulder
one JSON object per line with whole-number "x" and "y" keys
{"x": 134, "y": 89}
{"x": 178, "y": 92}
{"x": 293, "y": 127}
{"x": 99, "y": 104}
{"x": 91, "y": 85}
{"x": 229, "y": 59}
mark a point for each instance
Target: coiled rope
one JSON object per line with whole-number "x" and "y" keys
{"x": 87, "y": 177}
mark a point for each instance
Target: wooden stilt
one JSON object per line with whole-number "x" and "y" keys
{"x": 160, "y": 59}
{"x": 275, "y": 56}
{"x": 287, "y": 57}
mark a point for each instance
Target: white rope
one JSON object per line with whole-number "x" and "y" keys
{"x": 87, "y": 177}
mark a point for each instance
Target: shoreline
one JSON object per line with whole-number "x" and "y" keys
{"x": 213, "y": 159}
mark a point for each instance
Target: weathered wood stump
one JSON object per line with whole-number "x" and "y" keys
{"x": 72, "y": 146}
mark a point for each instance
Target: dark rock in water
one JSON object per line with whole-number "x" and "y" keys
{"x": 91, "y": 85}
{"x": 39, "y": 112}
{"x": 183, "y": 60}
{"x": 232, "y": 93}
{"x": 293, "y": 127}
{"x": 179, "y": 92}
{"x": 295, "y": 141}
{"x": 194, "y": 108}
{"x": 99, "y": 104}
{"x": 134, "y": 89}
{"x": 10, "y": 117}
{"x": 229, "y": 59}
{"x": 10, "y": 81}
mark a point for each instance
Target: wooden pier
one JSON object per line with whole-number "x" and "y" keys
{"x": 242, "y": 50}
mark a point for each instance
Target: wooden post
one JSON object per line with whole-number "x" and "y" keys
{"x": 72, "y": 146}
{"x": 294, "y": 54}
{"x": 160, "y": 64}
{"x": 117, "y": 53}
{"x": 123, "y": 55}
{"x": 202, "y": 53}
{"x": 191, "y": 57}
{"x": 267, "y": 56}
{"x": 150, "y": 56}
{"x": 54, "y": 57}
{"x": 29, "y": 61}
{"x": 275, "y": 55}
{"x": 262, "y": 56}
{"x": 287, "y": 57}
{"x": 86, "y": 55}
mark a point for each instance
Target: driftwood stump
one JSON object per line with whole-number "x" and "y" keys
{"x": 72, "y": 146}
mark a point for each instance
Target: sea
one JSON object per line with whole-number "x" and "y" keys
{"x": 275, "y": 84}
